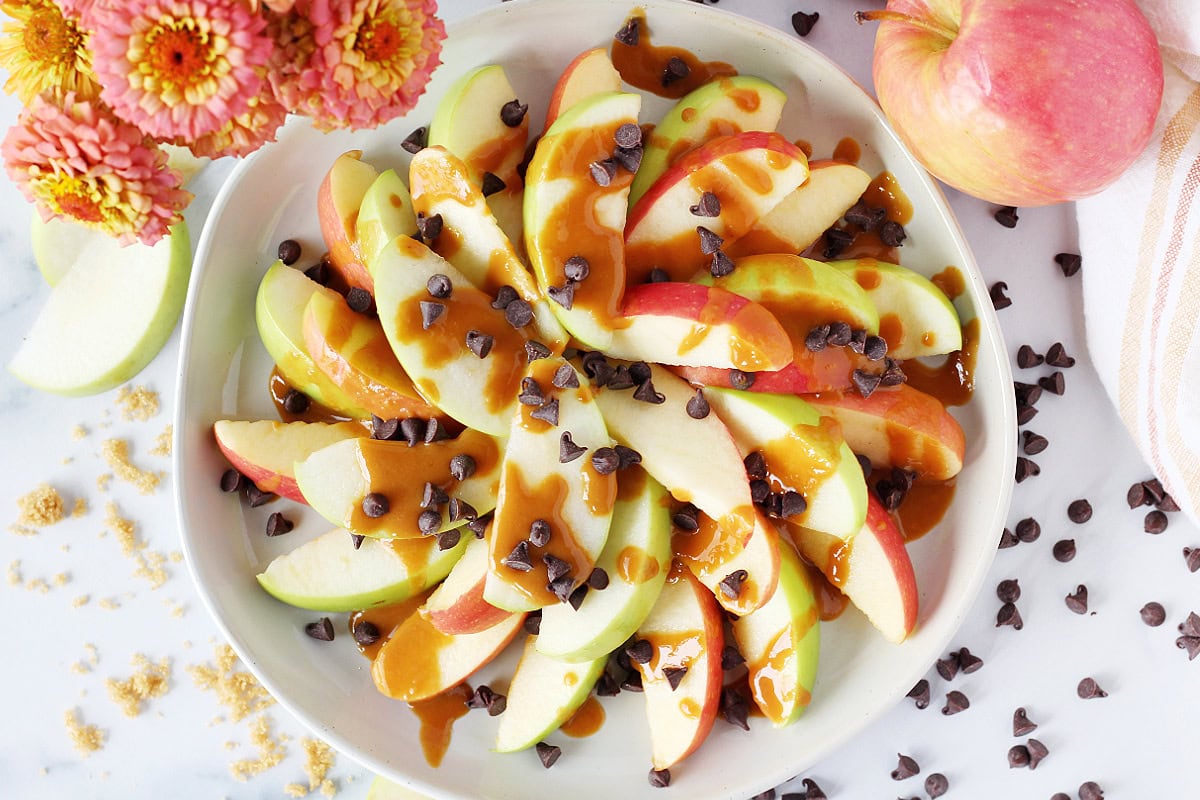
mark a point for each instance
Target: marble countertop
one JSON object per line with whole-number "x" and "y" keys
{"x": 84, "y": 615}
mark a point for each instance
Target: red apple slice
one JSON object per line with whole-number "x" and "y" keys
{"x": 339, "y": 198}
{"x": 457, "y": 605}
{"x": 265, "y": 451}
{"x": 718, "y": 559}
{"x": 830, "y": 369}
{"x": 589, "y": 73}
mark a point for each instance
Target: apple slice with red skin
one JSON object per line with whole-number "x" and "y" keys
{"x": 457, "y": 605}
{"x": 898, "y": 426}
{"x": 339, "y": 198}
{"x": 716, "y": 558}
{"x": 750, "y": 173}
{"x": 591, "y": 72}
{"x": 419, "y": 661}
{"x": 872, "y": 569}
{"x": 685, "y": 631}
{"x": 266, "y": 451}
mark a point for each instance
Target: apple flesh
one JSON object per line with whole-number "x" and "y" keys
{"x": 109, "y": 314}
{"x": 714, "y": 556}
{"x": 457, "y": 604}
{"x": 589, "y": 73}
{"x": 266, "y": 451}
{"x": 339, "y": 198}
{"x": 329, "y": 573}
{"x": 955, "y": 84}
{"x": 385, "y": 212}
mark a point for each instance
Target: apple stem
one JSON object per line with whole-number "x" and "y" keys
{"x": 895, "y": 16}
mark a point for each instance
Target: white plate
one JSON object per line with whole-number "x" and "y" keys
{"x": 223, "y": 374}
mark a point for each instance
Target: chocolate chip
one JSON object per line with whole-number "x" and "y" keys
{"x": 1021, "y": 724}
{"x": 1153, "y": 614}
{"x": 231, "y": 480}
{"x": 278, "y": 524}
{"x": 1027, "y": 357}
{"x": 660, "y": 778}
{"x": 676, "y": 70}
{"x": 730, "y": 658}
{"x": 1069, "y": 263}
{"x": 1009, "y": 615}
{"x": 858, "y": 341}
{"x": 1088, "y": 689}
{"x": 865, "y": 382}
{"x": 920, "y": 693}
{"x": 478, "y": 526}
{"x": 1009, "y": 590}
{"x": 1078, "y": 600}
{"x": 531, "y": 393}
{"x": 792, "y": 504}
{"x": 628, "y": 456}
{"x": 956, "y": 701}
{"x": 640, "y": 371}
{"x": 547, "y": 412}
{"x": 439, "y": 286}
{"x": 1191, "y": 625}
{"x": 1137, "y": 495}
{"x": 1028, "y": 530}
{"x": 1189, "y": 643}
{"x": 628, "y": 135}
{"x": 1007, "y": 216}
{"x": 518, "y": 558}
{"x": 605, "y": 460}
{"x": 709, "y": 241}
{"x": 803, "y": 23}
{"x": 874, "y": 348}
{"x": 603, "y": 172}
{"x": 1033, "y": 443}
{"x": 1064, "y": 550}
{"x": 1057, "y": 356}
{"x": 513, "y": 112}
{"x": 555, "y": 567}
{"x": 1037, "y": 752}
{"x": 416, "y": 141}
{"x": 576, "y": 268}
{"x": 518, "y": 313}
{"x": 1155, "y": 522}
{"x": 674, "y": 675}
{"x": 356, "y": 540}
{"x": 479, "y": 343}
{"x": 431, "y": 312}
{"x": 999, "y": 298}
{"x": 365, "y": 632}
{"x": 906, "y": 768}
{"x": 1027, "y": 394}
{"x": 836, "y": 241}
{"x": 731, "y": 584}
{"x": 1191, "y": 557}
{"x": 289, "y": 251}
{"x": 629, "y": 158}
{"x": 686, "y": 518}
{"x": 892, "y": 234}
{"x": 1079, "y": 511}
{"x": 548, "y": 754}
{"x": 1167, "y": 504}
{"x": 429, "y": 227}
{"x": 459, "y": 510}
{"x": 1025, "y": 414}
{"x": 1026, "y": 469}
{"x": 295, "y": 402}
{"x": 433, "y": 496}
{"x": 375, "y": 505}
{"x": 812, "y": 791}
{"x": 485, "y": 697}
{"x": 721, "y": 265}
{"x": 533, "y": 623}
{"x": 936, "y": 785}
{"x": 709, "y": 205}
{"x": 632, "y": 682}
{"x": 535, "y": 351}
{"x": 1060, "y": 796}
{"x": 1007, "y": 540}
{"x": 576, "y": 598}
{"x": 597, "y": 579}
{"x": 435, "y": 431}
{"x": 567, "y": 449}
{"x": 462, "y": 466}
{"x": 321, "y": 630}
{"x": 1090, "y": 790}
{"x": 948, "y": 667}
{"x": 428, "y": 522}
{"x": 255, "y": 496}
{"x": 628, "y": 35}
{"x": 1018, "y": 756}
{"x": 1054, "y": 383}
{"x": 412, "y": 429}
{"x": 866, "y": 217}
{"x": 563, "y": 295}
{"x": 640, "y": 651}
{"x": 697, "y": 405}
{"x": 620, "y": 379}
{"x": 318, "y": 273}
{"x": 645, "y": 393}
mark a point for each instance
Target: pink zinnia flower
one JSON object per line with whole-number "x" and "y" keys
{"x": 74, "y": 160}
{"x": 356, "y": 63}
{"x": 246, "y": 132}
{"x": 179, "y": 68}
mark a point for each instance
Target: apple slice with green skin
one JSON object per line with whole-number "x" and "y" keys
{"x": 635, "y": 558}
{"x": 339, "y": 198}
{"x": 591, "y": 72}
{"x": 386, "y": 212}
{"x": 723, "y": 107}
{"x": 685, "y": 631}
{"x": 419, "y": 661}
{"x": 461, "y": 353}
{"x": 898, "y": 426}
{"x": 684, "y": 454}
{"x": 750, "y": 173}
{"x": 569, "y": 216}
{"x": 279, "y": 306}
{"x": 801, "y": 217}
{"x": 544, "y": 693}
{"x": 471, "y": 239}
{"x": 457, "y": 605}
{"x": 132, "y": 295}
{"x": 781, "y": 642}
{"x": 741, "y": 577}
{"x": 329, "y": 574}
{"x": 337, "y": 479}
{"x": 804, "y": 451}
{"x": 915, "y": 316}
{"x": 545, "y": 484}
{"x": 266, "y": 451}
{"x": 872, "y": 569}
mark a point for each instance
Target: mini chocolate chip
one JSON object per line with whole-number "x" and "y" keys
{"x": 479, "y": 343}
{"x": 548, "y": 754}
{"x": 535, "y": 351}
{"x": 539, "y": 533}
{"x": 603, "y": 172}
{"x": 709, "y": 242}
{"x": 435, "y": 431}
{"x": 356, "y": 540}
{"x": 278, "y": 524}
{"x": 431, "y": 312}
{"x": 1064, "y": 550}
{"x": 563, "y": 295}
{"x": 1069, "y": 263}
{"x": 731, "y": 584}
{"x": 504, "y": 295}
{"x": 416, "y": 141}
{"x": 836, "y": 241}
{"x": 231, "y": 480}
{"x": 730, "y": 658}
{"x": 686, "y": 518}
{"x": 1018, "y": 756}
{"x": 547, "y": 412}
{"x": 646, "y": 393}
{"x": 1027, "y": 357}
{"x": 1037, "y": 752}
{"x": 1008, "y": 590}
{"x": 296, "y": 402}
{"x": 412, "y": 429}
{"x": 518, "y": 313}
{"x": 428, "y": 522}
{"x": 1153, "y": 614}
{"x": 628, "y": 134}
{"x": 555, "y": 567}
{"x": 531, "y": 393}
{"x": 576, "y": 268}
{"x": 1024, "y": 415}
{"x": 1155, "y": 522}
{"x": 840, "y": 334}
{"x": 605, "y": 460}
{"x": 1027, "y": 394}
{"x": 1078, "y": 600}
{"x": 676, "y": 70}
{"x": 865, "y": 382}
{"x": 892, "y": 234}
{"x": 948, "y": 667}
{"x": 620, "y": 379}
{"x": 576, "y": 598}
{"x": 640, "y": 651}
{"x": 1026, "y": 469}
{"x": 429, "y": 227}
{"x": 433, "y": 496}
{"x": 674, "y": 675}
{"x": 874, "y": 348}
{"x": 565, "y": 377}
{"x": 920, "y": 693}
{"x": 999, "y": 298}
{"x": 893, "y": 375}
{"x": 459, "y": 510}
{"x": 629, "y": 158}
{"x": 533, "y": 623}
{"x": 697, "y": 405}
{"x": 1167, "y": 504}
{"x": 1007, "y": 216}
{"x": 803, "y": 23}
{"x": 462, "y": 466}
{"x": 812, "y": 791}
{"x": 756, "y": 464}
{"x": 721, "y": 265}
{"x": 709, "y": 205}
{"x": 1079, "y": 511}
{"x": 640, "y": 371}
{"x": 1090, "y": 790}
{"x": 1191, "y": 557}
{"x": 1189, "y": 643}
{"x": 255, "y": 496}
{"x": 936, "y": 785}
{"x": 956, "y": 701}
{"x": 478, "y": 526}
{"x": 741, "y": 380}
{"x": 518, "y": 558}
{"x": 1009, "y": 615}
{"x": 321, "y": 630}
{"x": 792, "y": 504}
{"x": 628, "y": 456}
{"x": 817, "y": 338}
{"x": 628, "y": 36}
{"x": 632, "y": 682}
{"x": 1088, "y": 689}
{"x": 1033, "y": 443}
{"x": 1054, "y": 383}
{"x": 365, "y": 632}
{"x": 375, "y": 505}
{"x": 513, "y": 112}
{"x": 906, "y": 768}
{"x": 567, "y": 449}
{"x": 1191, "y": 625}
{"x": 289, "y": 251}
{"x": 1060, "y": 796}
{"x": 597, "y": 579}
{"x": 1057, "y": 356}
{"x": 858, "y": 341}
{"x": 760, "y": 492}
{"x": 660, "y": 778}
{"x": 1021, "y": 724}
{"x": 865, "y": 216}
{"x": 318, "y": 273}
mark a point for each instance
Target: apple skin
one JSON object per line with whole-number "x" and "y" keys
{"x": 954, "y": 78}
{"x": 266, "y": 451}
{"x": 591, "y": 72}
{"x": 339, "y": 198}
{"x": 457, "y": 605}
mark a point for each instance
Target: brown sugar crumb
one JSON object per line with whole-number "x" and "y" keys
{"x": 102, "y": 481}
{"x": 137, "y": 403}
{"x": 62, "y": 579}
{"x": 295, "y": 790}
{"x": 148, "y": 681}
{"x": 150, "y": 566}
{"x": 81, "y": 601}
{"x": 124, "y": 529}
{"x": 110, "y": 604}
{"x": 176, "y": 557}
{"x": 318, "y": 760}
{"x": 162, "y": 445}
{"x": 79, "y": 432}
{"x": 328, "y": 788}
{"x": 37, "y": 585}
{"x": 116, "y": 455}
{"x": 238, "y": 691}
{"x": 14, "y": 573}
{"x": 79, "y": 508}
{"x": 41, "y": 507}
{"x": 87, "y": 739}
{"x": 270, "y": 751}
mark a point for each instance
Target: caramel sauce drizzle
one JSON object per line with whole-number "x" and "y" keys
{"x": 644, "y": 64}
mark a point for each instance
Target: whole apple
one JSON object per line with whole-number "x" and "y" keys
{"x": 1019, "y": 102}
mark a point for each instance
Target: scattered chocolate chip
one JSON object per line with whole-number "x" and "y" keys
{"x": 1007, "y": 216}
{"x": 533, "y": 623}
{"x": 1028, "y": 530}
{"x": 628, "y": 456}
{"x": 513, "y": 112}
{"x": 709, "y": 242}
{"x": 721, "y": 265}
{"x": 1069, "y": 263}
{"x": 920, "y": 693}
{"x": 840, "y": 334}
{"x": 730, "y": 658}
{"x": 567, "y": 449}
{"x": 295, "y": 402}
{"x": 440, "y": 286}
{"x": 674, "y": 675}
{"x": 645, "y": 393}
{"x": 365, "y": 632}
{"x": 435, "y": 431}
{"x": 1037, "y": 752}
{"x": 555, "y": 567}
{"x": 1090, "y": 790}
{"x": 1153, "y": 614}
{"x": 697, "y": 405}
{"x": 948, "y": 667}
{"x": 504, "y": 295}
{"x": 1155, "y": 522}
{"x": 1021, "y": 724}
{"x": 429, "y": 227}
{"x": 433, "y": 496}
{"x": 412, "y": 430}
{"x": 375, "y": 505}
{"x": 866, "y": 217}
{"x": 1064, "y": 550}
{"x": 428, "y": 522}
{"x": 1057, "y": 356}
{"x": 686, "y": 518}
{"x": 597, "y": 579}
{"x": 478, "y": 526}
{"x": 660, "y": 778}
{"x": 865, "y": 382}
{"x": 1027, "y": 394}
{"x": 1191, "y": 557}
{"x": 812, "y": 791}
{"x": 999, "y": 298}
{"x": 321, "y": 630}
{"x": 1054, "y": 383}
{"x": 485, "y": 697}
{"x": 462, "y": 466}
{"x": 731, "y": 584}
{"x": 563, "y": 295}
{"x": 318, "y": 273}
{"x": 1078, "y": 600}
{"x": 1007, "y": 540}
{"x": 632, "y": 682}
{"x": 518, "y": 313}
{"x": 1191, "y": 625}
{"x": 1033, "y": 443}
{"x": 803, "y": 23}
{"x": 448, "y": 540}
{"x": 605, "y": 460}
{"x": 547, "y": 412}
{"x": 836, "y": 241}
{"x": 640, "y": 651}
{"x": 1008, "y": 590}
{"x": 1026, "y": 469}
{"x": 459, "y": 510}
{"x": 1027, "y": 357}
{"x": 956, "y": 701}
{"x": 356, "y": 540}
{"x": 1167, "y": 504}
{"x": 791, "y": 504}
{"x": 231, "y": 480}
{"x": 1009, "y": 615}
{"x": 892, "y": 234}
{"x": 416, "y": 141}
{"x": 1189, "y": 643}
{"x": 628, "y": 135}
{"x": 1018, "y": 756}
{"x": 709, "y": 205}
{"x": 518, "y": 558}
{"x": 936, "y": 784}
{"x": 548, "y": 753}
{"x": 576, "y": 268}
{"x": 431, "y": 312}
{"x": 1079, "y": 511}
{"x": 874, "y": 348}
{"x": 278, "y": 524}
{"x": 289, "y": 251}
{"x": 906, "y": 768}
{"x": 628, "y": 35}
{"x": 675, "y": 70}
{"x": 255, "y": 496}
{"x": 535, "y": 351}
{"x": 629, "y": 158}
{"x": 479, "y": 343}
{"x": 1024, "y": 415}
{"x": 1088, "y": 689}
{"x": 531, "y": 393}
{"x": 603, "y": 172}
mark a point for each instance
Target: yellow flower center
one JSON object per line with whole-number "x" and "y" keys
{"x": 75, "y": 198}
{"x": 382, "y": 39}
{"x": 178, "y": 51}
{"x": 50, "y": 38}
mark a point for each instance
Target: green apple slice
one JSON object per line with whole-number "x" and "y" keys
{"x": 544, "y": 693}
{"x": 636, "y": 559}
{"x": 722, "y": 107}
{"x": 329, "y": 574}
{"x": 781, "y": 642}
{"x": 916, "y": 318}
{"x": 111, "y": 310}
{"x": 385, "y": 213}
{"x": 804, "y": 452}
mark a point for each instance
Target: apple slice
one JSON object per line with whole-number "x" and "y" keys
{"x": 279, "y": 307}
{"x": 695, "y": 459}
{"x": 569, "y": 217}
{"x": 872, "y": 569}
{"x": 266, "y": 451}
{"x": 337, "y": 480}
{"x": 466, "y": 358}
{"x": 419, "y": 661}
{"x": 686, "y": 323}
{"x": 544, "y": 693}
{"x": 898, "y": 426}
{"x": 804, "y": 452}
{"x": 330, "y": 574}
{"x": 741, "y": 577}
{"x": 108, "y": 315}
{"x": 339, "y": 198}
{"x": 801, "y": 217}
{"x": 589, "y": 73}
{"x": 547, "y": 485}
{"x": 781, "y": 642}
{"x": 635, "y": 558}
{"x": 830, "y": 369}
{"x": 723, "y": 107}
{"x": 915, "y": 316}
{"x": 353, "y": 352}
{"x": 457, "y": 605}
{"x": 685, "y": 633}
{"x": 471, "y": 238}
{"x": 750, "y": 173}
{"x": 385, "y": 213}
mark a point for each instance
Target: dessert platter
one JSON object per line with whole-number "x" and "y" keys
{"x": 628, "y": 418}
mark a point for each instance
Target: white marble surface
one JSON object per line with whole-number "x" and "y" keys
{"x": 1137, "y": 742}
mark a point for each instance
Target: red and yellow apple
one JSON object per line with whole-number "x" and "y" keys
{"x": 266, "y": 452}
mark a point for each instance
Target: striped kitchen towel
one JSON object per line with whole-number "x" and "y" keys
{"x": 1140, "y": 242}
